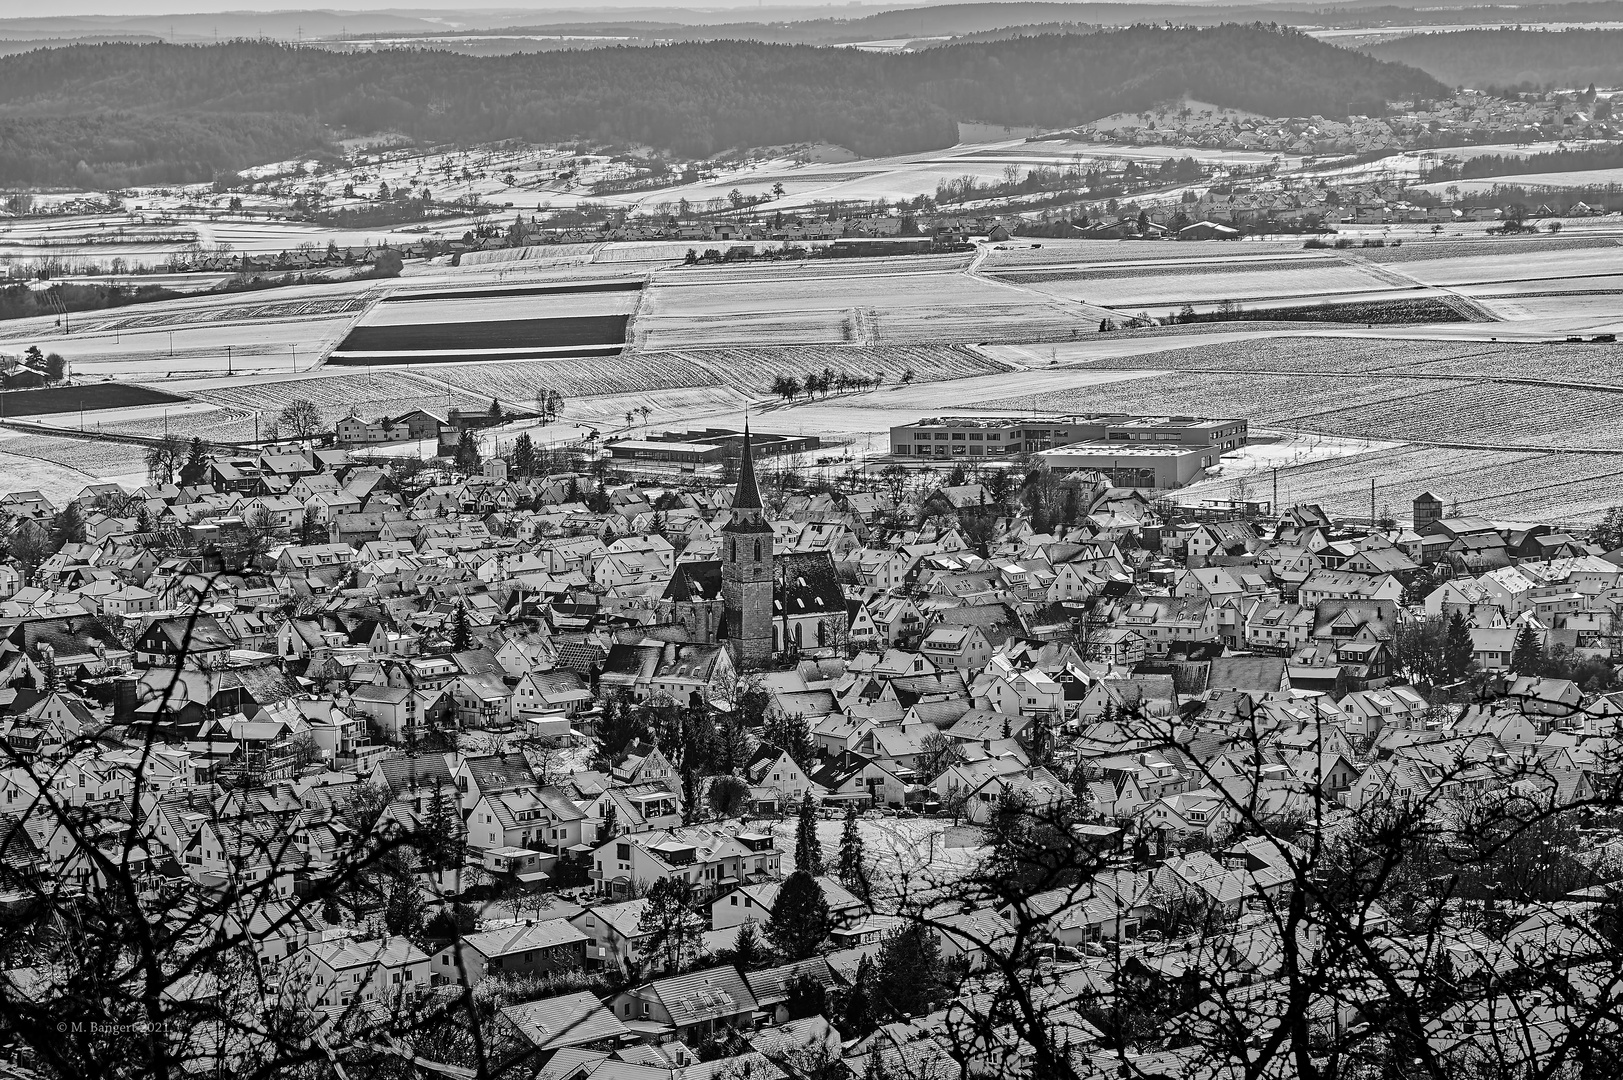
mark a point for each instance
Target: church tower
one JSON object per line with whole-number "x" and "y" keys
{"x": 746, "y": 571}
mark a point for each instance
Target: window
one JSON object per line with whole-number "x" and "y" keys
{"x": 622, "y": 852}
{"x": 904, "y": 448}
{"x": 992, "y": 436}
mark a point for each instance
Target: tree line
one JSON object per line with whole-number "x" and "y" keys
{"x": 1512, "y": 57}
{"x": 145, "y": 113}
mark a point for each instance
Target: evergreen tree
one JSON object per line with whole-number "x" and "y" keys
{"x": 800, "y": 920}
{"x": 194, "y": 469}
{"x": 748, "y": 953}
{"x": 1527, "y": 657}
{"x": 805, "y": 996}
{"x": 858, "y": 1018}
{"x": 853, "y": 866}
{"x": 910, "y": 977}
{"x": 690, "y": 796}
{"x": 524, "y": 455}
{"x": 403, "y": 909}
{"x": 674, "y": 930}
{"x": 1459, "y": 657}
{"x": 467, "y": 452}
{"x": 67, "y": 527}
{"x": 792, "y": 735}
{"x": 439, "y": 833}
{"x": 732, "y": 746}
{"x": 461, "y": 633}
{"x": 808, "y": 849}
{"x": 727, "y": 795}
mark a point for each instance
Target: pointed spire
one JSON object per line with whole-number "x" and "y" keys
{"x": 748, "y": 494}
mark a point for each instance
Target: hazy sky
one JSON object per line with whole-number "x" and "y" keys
{"x": 26, "y": 9}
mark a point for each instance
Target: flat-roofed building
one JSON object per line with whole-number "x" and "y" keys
{"x": 709, "y": 445}
{"x": 994, "y": 436}
{"x": 1149, "y": 467}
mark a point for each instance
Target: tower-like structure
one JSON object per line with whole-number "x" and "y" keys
{"x": 746, "y": 571}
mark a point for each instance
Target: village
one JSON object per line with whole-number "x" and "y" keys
{"x": 1470, "y": 116}
{"x": 671, "y": 773}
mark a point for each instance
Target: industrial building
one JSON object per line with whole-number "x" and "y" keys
{"x": 709, "y": 446}
{"x": 994, "y": 436}
{"x": 1132, "y": 466}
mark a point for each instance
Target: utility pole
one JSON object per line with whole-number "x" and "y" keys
{"x": 1372, "y": 503}
{"x": 228, "y": 359}
{"x": 1276, "y": 491}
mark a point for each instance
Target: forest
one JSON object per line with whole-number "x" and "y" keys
{"x": 1512, "y": 59}
{"x": 120, "y": 114}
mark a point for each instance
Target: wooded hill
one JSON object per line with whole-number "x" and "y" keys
{"x": 118, "y": 114}
{"x": 1513, "y": 59}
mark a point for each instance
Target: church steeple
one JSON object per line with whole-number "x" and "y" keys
{"x": 748, "y": 495}
{"x": 748, "y": 513}
{"x": 746, "y": 570}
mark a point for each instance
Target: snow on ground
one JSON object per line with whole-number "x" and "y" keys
{"x": 1271, "y": 450}
{"x": 917, "y": 856}
{"x": 20, "y": 471}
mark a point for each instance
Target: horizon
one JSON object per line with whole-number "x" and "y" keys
{"x": 493, "y": 15}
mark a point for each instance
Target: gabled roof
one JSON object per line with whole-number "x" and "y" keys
{"x": 568, "y": 1020}
{"x": 701, "y": 995}
{"x": 523, "y": 937}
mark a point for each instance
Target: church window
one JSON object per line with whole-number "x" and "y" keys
{"x": 757, "y": 551}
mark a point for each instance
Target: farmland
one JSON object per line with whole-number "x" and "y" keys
{"x": 1162, "y": 285}
{"x": 504, "y": 340}
{"x": 61, "y": 399}
{"x": 869, "y": 302}
{"x": 707, "y": 340}
{"x": 1494, "y": 484}
{"x": 451, "y": 325}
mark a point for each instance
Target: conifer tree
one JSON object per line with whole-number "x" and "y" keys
{"x": 853, "y": 866}
{"x": 461, "y": 634}
{"x": 748, "y": 953}
{"x": 673, "y": 929}
{"x": 524, "y": 455}
{"x": 1527, "y": 657}
{"x": 732, "y": 746}
{"x": 909, "y": 980}
{"x": 808, "y": 849}
{"x": 858, "y": 1018}
{"x": 800, "y": 920}
{"x": 1459, "y": 656}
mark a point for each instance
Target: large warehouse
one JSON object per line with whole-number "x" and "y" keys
{"x": 993, "y": 436}
{"x": 1133, "y": 466}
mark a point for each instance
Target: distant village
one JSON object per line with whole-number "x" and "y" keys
{"x": 1471, "y": 116}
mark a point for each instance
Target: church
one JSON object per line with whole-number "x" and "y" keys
{"x": 758, "y": 603}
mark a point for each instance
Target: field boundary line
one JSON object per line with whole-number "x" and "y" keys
{"x": 1387, "y": 373}
{"x": 374, "y": 295}
{"x": 31, "y": 428}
